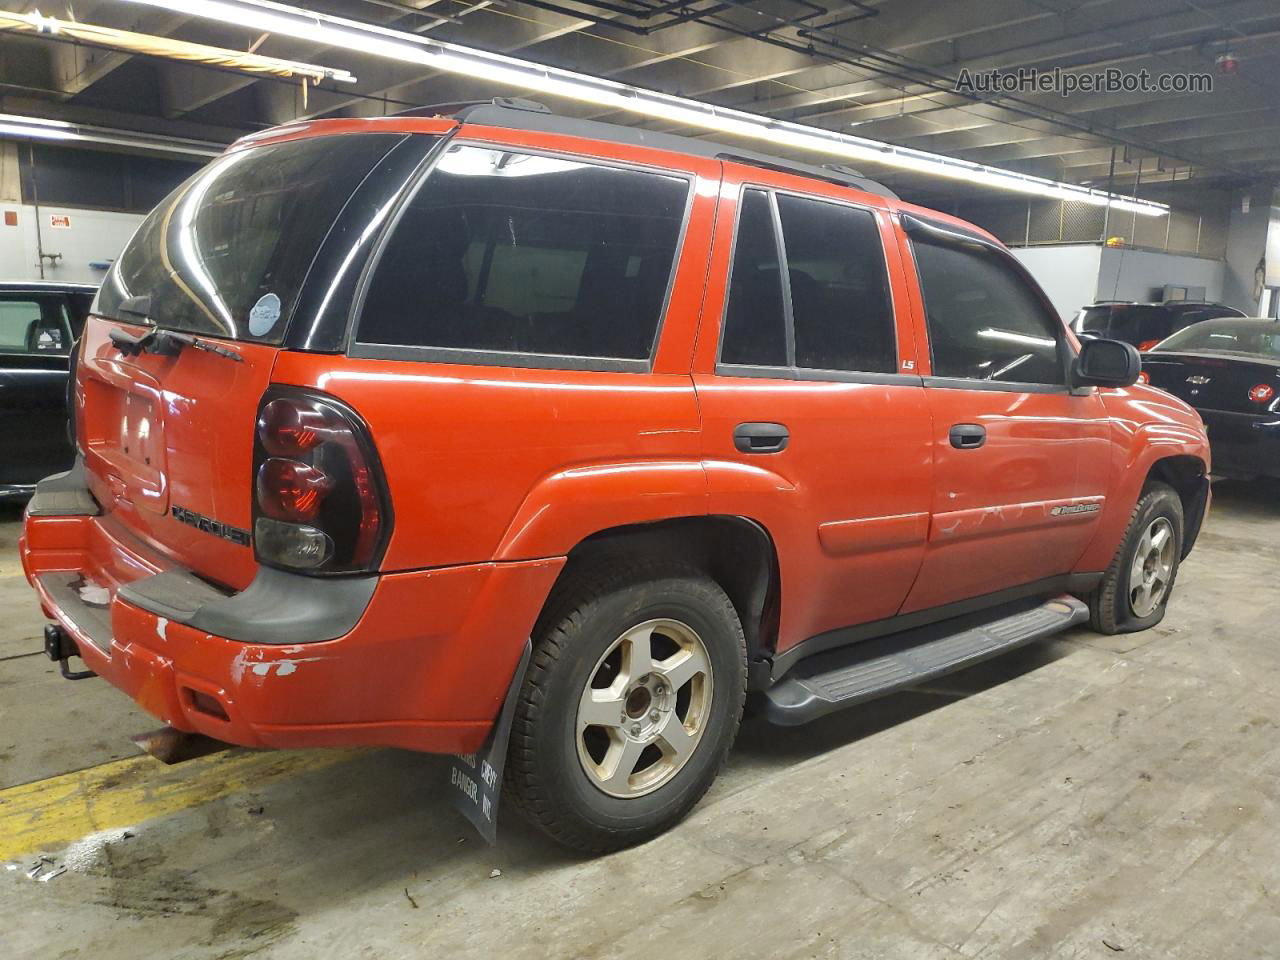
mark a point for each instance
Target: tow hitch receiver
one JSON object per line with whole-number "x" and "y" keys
{"x": 58, "y": 646}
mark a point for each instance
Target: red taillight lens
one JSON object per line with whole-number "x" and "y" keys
{"x": 1143, "y": 377}
{"x": 291, "y": 490}
{"x": 289, "y": 429}
{"x": 1146, "y": 345}
{"x": 320, "y": 502}
{"x": 1262, "y": 393}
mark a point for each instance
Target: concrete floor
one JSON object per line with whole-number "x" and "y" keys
{"x": 1087, "y": 797}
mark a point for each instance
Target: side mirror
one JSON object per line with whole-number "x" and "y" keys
{"x": 1106, "y": 363}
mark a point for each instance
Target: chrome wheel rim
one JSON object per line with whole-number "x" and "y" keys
{"x": 1152, "y": 568}
{"x": 644, "y": 709}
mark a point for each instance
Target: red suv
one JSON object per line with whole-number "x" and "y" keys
{"x": 367, "y": 408}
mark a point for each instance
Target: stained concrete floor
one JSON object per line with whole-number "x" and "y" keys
{"x": 1083, "y": 798}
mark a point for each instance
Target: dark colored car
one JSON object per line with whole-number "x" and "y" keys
{"x": 39, "y": 323}
{"x": 1145, "y": 324}
{"x": 1229, "y": 370}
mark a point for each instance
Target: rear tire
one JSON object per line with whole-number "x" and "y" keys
{"x": 630, "y": 704}
{"x": 1135, "y": 590}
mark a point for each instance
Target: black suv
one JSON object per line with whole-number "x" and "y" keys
{"x": 1145, "y": 324}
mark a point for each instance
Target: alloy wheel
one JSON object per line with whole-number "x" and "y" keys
{"x": 1152, "y": 568}
{"x": 644, "y": 708}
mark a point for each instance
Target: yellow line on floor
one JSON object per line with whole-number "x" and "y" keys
{"x": 48, "y": 814}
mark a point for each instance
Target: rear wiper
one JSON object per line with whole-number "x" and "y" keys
{"x": 168, "y": 343}
{"x": 139, "y": 306}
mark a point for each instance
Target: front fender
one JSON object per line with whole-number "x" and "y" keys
{"x": 1137, "y": 448}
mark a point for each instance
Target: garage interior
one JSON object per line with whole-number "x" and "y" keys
{"x": 1084, "y": 797}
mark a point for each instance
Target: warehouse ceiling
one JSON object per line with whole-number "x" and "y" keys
{"x": 886, "y": 70}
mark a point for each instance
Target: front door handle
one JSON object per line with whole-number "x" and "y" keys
{"x": 760, "y": 437}
{"x": 968, "y": 436}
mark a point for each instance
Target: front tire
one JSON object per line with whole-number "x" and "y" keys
{"x": 629, "y": 707}
{"x": 1135, "y": 590}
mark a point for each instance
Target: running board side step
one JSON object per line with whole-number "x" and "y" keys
{"x": 841, "y": 678}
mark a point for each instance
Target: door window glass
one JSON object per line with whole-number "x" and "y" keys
{"x": 755, "y": 327}
{"x": 34, "y": 325}
{"x": 985, "y": 322}
{"x": 840, "y": 302}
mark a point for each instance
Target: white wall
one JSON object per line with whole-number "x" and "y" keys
{"x": 93, "y": 236}
{"x": 1139, "y": 274}
{"x": 1068, "y": 273}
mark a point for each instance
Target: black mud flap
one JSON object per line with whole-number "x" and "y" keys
{"x": 476, "y": 778}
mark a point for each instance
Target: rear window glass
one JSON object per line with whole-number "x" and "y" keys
{"x": 1254, "y": 337}
{"x": 1094, "y": 320}
{"x": 1140, "y": 324}
{"x": 34, "y": 325}
{"x": 227, "y": 252}
{"x": 514, "y": 253}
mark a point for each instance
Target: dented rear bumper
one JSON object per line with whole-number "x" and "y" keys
{"x": 417, "y": 659}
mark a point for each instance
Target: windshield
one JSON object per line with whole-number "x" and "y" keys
{"x": 227, "y": 252}
{"x": 1259, "y": 338}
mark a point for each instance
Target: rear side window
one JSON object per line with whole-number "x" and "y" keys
{"x": 829, "y": 310}
{"x": 227, "y": 252}
{"x": 34, "y": 325}
{"x": 985, "y": 322}
{"x": 501, "y": 252}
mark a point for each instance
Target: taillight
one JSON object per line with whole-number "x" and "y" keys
{"x": 320, "y": 503}
{"x": 1262, "y": 393}
{"x": 1146, "y": 345}
{"x": 1143, "y": 377}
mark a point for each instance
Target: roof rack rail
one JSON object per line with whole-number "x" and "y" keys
{"x": 455, "y": 107}
{"x": 530, "y": 115}
{"x": 831, "y": 173}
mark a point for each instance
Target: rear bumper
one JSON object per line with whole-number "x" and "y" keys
{"x": 425, "y": 664}
{"x": 1244, "y": 443}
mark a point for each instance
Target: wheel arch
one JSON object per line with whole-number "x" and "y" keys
{"x": 736, "y": 552}
{"x": 1188, "y": 475}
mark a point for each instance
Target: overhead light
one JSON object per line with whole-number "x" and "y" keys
{"x": 13, "y": 126}
{"x": 145, "y": 43}
{"x": 390, "y": 44}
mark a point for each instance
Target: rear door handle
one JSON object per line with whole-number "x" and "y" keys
{"x": 968, "y": 436}
{"x": 760, "y": 437}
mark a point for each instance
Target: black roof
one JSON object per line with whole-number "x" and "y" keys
{"x": 1193, "y": 304}
{"x": 520, "y": 114}
{"x": 47, "y": 286}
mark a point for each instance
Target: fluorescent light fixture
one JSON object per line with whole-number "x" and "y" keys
{"x": 13, "y": 126}
{"x": 132, "y": 42}
{"x": 378, "y": 41}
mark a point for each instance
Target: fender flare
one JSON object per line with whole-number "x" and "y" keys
{"x": 1148, "y": 444}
